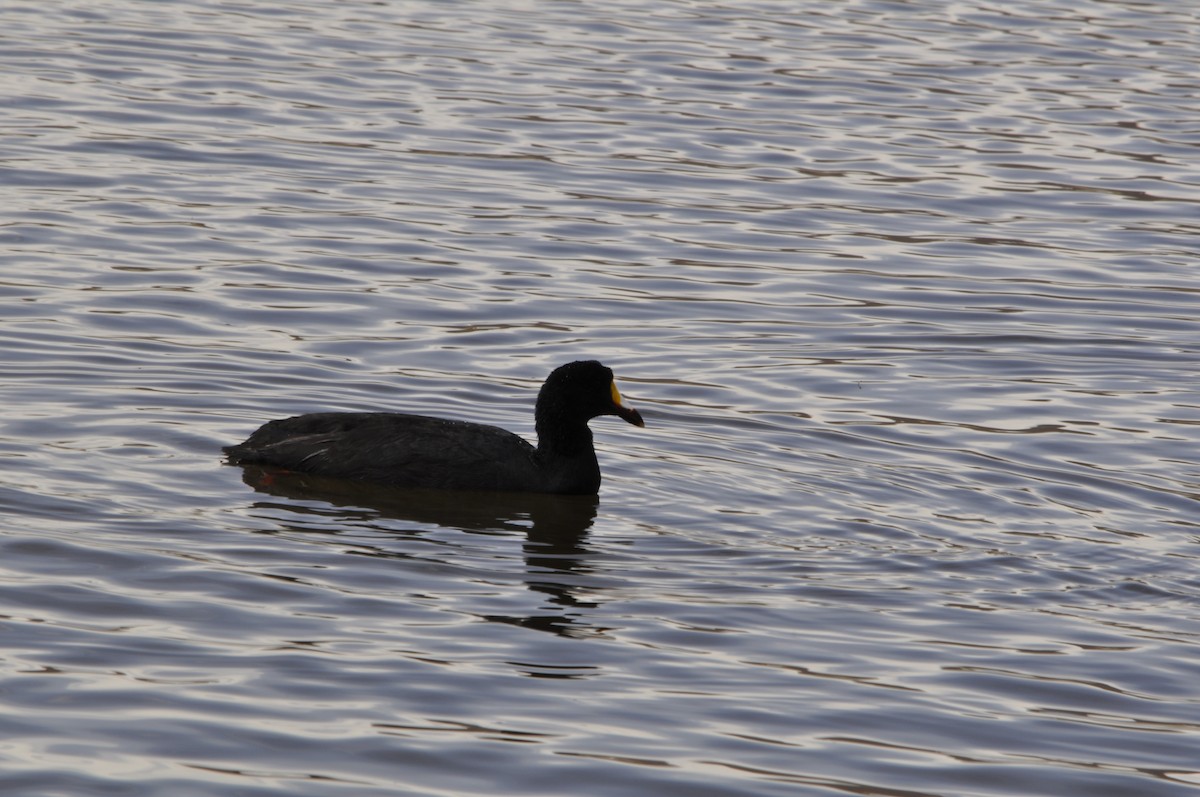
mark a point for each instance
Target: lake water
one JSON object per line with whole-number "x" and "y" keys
{"x": 906, "y": 292}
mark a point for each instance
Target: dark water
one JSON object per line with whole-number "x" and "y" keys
{"x": 906, "y": 292}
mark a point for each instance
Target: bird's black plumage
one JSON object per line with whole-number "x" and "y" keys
{"x": 401, "y": 450}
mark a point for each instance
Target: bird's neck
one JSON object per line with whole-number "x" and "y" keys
{"x": 562, "y": 437}
{"x": 565, "y": 453}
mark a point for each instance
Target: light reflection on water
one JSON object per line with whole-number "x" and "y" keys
{"x": 904, "y": 293}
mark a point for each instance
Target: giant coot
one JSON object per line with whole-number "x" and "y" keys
{"x": 400, "y": 450}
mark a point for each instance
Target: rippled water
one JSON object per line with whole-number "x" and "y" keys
{"x": 907, "y": 295}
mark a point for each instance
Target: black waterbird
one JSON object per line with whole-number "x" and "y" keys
{"x": 418, "y": 451}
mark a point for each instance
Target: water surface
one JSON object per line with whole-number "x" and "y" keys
{"x": 905, "y": 292}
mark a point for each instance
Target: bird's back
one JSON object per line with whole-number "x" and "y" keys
{"x": 396, "y": 449}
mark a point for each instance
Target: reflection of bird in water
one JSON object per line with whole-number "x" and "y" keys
{"x": 400, "y": 450}
{"x": 555, "y": 527}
